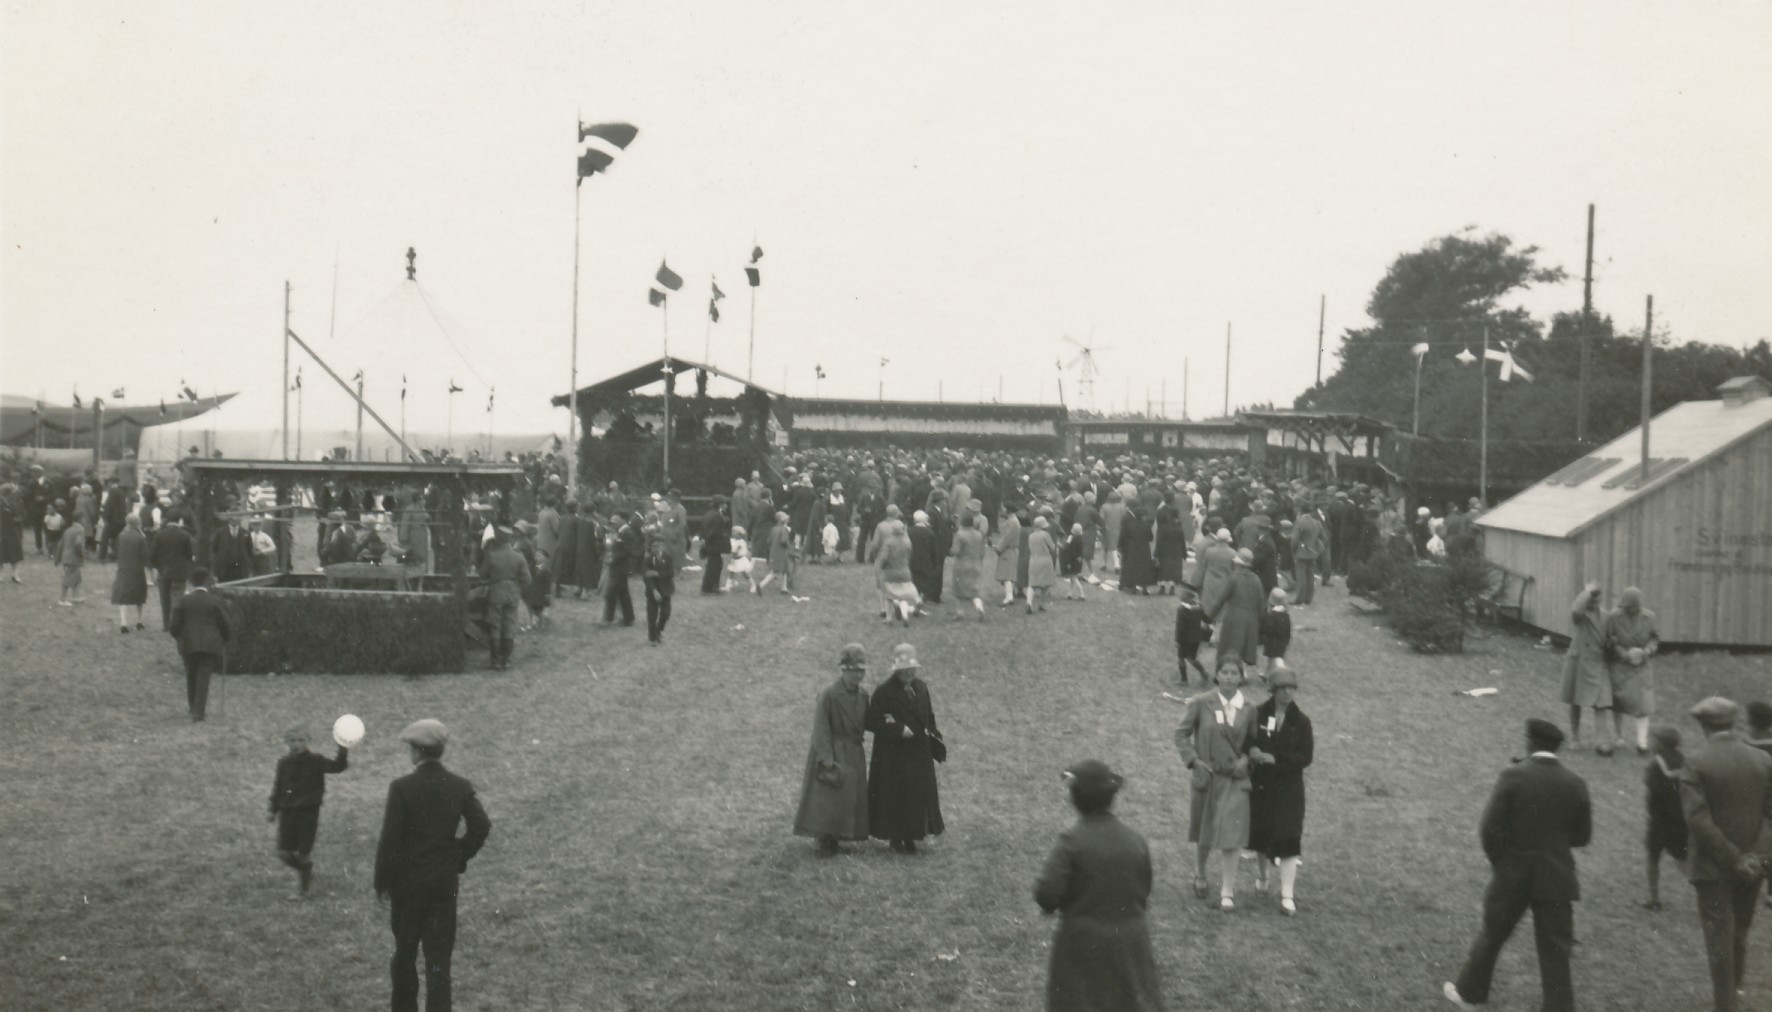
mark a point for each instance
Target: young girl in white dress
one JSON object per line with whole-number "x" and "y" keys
{"x": 738, "y": 561}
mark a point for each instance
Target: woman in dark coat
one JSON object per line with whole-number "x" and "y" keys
{"x": 129, "y": 587}
{"x": 566, "y": 550}
{"x": 1137, "y": 570}
{"x": 1239, "y": 619}
{"x": 1279, "y": 751}
{"x": 1098, "y": 880}
{"x": 1171, "y": 548}
{"x": 12, "y": 531}
{"x": 903, "y": 803}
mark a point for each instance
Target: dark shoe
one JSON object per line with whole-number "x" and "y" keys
{"x": 139, "y": 625}
{"x": 827, "y": 847}
{"x": 910, "y": 846}
{"x": 897, "y": 846}
{"x": 307, "y": 877}
{"x": 1604, "y": 750}
{"x": 124, "y": 630}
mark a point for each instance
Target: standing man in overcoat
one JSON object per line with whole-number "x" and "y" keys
{"x": 418, "y": 863}
{"x": 506, "y": 574}
{"x": 169, "y": 555}
{"x": 1726, "y": 790}
{"x": 200, "y": 625}
{"x": 716, "y": 541}
{"x": 834, "y": 787}
{"x": 1538, "y": 812}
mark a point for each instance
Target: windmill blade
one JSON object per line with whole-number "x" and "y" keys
{"x": 1071, "y": 340}
{"x": 1082, "y": 357}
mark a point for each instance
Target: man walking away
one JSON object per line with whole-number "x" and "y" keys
{"x": 200, "y": 625}
{"x": 1726, "y": 789}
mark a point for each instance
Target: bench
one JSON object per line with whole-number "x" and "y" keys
{"x": 1508, "y": 597}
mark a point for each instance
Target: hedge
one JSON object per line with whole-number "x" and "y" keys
{"x": 293, "y": 628}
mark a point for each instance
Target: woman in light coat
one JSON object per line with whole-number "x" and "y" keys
{"x": 1212, "y": 740}
{"x": 1042, "y": 563}
{"x": 968, "y": 568}
{"x": 1008, "y": 554}
{"x": 129, "y": 587}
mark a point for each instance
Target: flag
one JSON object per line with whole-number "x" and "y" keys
{"x": 490, "y": 394}
{"x": 714, "y": 310}
{"x": 192, "y": 394}
{"x": 655, "y": 297}
{"x": 295, "y": 386}
{"x": 1509, "y": 366}
{"x": 1465, "y": 357}
{"x": 117, "y": 394}
{"x": 402, "y": 386}
{"x": 756, "y": 253}
{"x": 1420, "y": 349}
{"x": 591, "y": 161}
{"x": 618, "y": 134}
{"x": 162, "y": 407}
{"x": 718, "y": 294}
{"x": 668, "y": 277}
{"x": 453, "y": 388}
{"x": 819, "y": 371}
{"x": 77, "y": 399}
{"x": 754, "y": 276}
{"x": 357, "y": 378}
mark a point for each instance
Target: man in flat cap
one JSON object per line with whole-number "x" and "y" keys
{"x": 1537, "y": 813}
{"x": 507, "y": 575}
{"x": 834, "y": 789}
{"x": 418, "y": 861}
{"x": 1726, "y": 790}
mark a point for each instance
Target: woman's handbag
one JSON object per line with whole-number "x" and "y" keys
{"x": 830, "y": 774}
{"x": 938, "y": 749}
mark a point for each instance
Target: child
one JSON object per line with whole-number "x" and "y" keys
{"x": 782, "y": 554}
{"x": 53, "y": 522}
{"x": 1191, "y": 629}
{"x": 1667, "y": 820}
{"x": 295, "y": 801}
{"x": 738, "y": 562}
{"x": 539, "y": 595}
{"x": 70, "y": 554}
{"x": 1070, "y": 563}
{"x": 830, "y": 537}
{"x": 1276, "y": 631}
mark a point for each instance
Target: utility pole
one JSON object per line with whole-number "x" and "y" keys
{"x": 1648, "y": 376}
{"x": 1483, "y": 448}
{"x": 1227, "y": 370}
{"x": 359, "y": 415}
{"x": 1322, "y": 311}
{"x": 1587, "y": 314}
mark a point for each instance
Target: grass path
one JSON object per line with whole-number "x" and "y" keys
{"x": 642, "y": 856}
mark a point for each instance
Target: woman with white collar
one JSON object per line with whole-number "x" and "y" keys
{"x": 1213, "y": 739}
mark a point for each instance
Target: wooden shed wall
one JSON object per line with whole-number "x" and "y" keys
{"x": 1699, "y": 547}
{"x": 1551, "y": 564}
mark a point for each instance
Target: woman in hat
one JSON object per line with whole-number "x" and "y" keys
{"x": 129, "y": 587}
{"x": 1171, "y": 546}
{"x": 1042, "y": 556}
{"x": 834, "y": 789}
{"x": 1585, "y": 680}
{"x": 1279, "y": 750}
{"x": 1212, "y": 740}
{"x": 903, "y": 803}
{"x": 1239, "y": 616}
{"x": 1098, "y": 880}
{"x": 1138, "y": 570}
{"x": 968, "y": 567}
{"x": 1008, "y": 554}
{"x": 12, "y": 531}
{"x": 1631, "y": 644}
{"x": 900, "y": 590}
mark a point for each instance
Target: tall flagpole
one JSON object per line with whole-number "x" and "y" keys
{"x": 1483, "y": 441}
{"x": 286, "y": 369}
{"x": 1648, "y": 376}
{"x": 665, "y": 315}
{"x": 1227, "y": 370}
{"x": 572, "y": 395}
{"x": 298, "y": 395}
{"x": 359, "y": 414}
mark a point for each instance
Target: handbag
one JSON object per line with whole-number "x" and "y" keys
{"x": 830, "y": 774}
{"x": 938, "y": 749}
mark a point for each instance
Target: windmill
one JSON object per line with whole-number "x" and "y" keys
{"x": 1084, "y": 363}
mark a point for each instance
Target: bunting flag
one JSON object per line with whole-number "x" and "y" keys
{"x": 1509, "y": 367}
{"x": 668, "y": 277}
{"x": 594, "y": 160}
{"x": 655, "y": 297}
{"x": 718, "y": 294}
{"x": 818, "y": 370}
{"x": 117, "y": 394}
{"x": 296, "y": 386}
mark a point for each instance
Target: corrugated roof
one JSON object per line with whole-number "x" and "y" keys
{"x": 1560, "y": 506}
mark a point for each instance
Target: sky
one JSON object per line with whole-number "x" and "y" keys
{"x": 952, "y": 187}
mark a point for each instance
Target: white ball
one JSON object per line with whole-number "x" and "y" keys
{"x": 347, "y": 730}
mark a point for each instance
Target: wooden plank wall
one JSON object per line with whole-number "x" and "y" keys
{"x": 1700, "y": 548}
{"x": 1551, "y": 562}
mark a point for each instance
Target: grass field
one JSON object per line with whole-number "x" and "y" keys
{"x": 642, "y": 857}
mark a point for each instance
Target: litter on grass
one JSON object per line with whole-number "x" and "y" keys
{"x": 1487, "y": 691}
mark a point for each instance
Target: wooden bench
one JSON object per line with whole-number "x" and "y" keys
{"x": 1508, "y": 598}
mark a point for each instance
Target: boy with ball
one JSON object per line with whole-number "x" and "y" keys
{"x": 298, "y": 790}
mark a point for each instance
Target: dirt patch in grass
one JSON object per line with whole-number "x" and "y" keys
{"x": 642, "y": 799}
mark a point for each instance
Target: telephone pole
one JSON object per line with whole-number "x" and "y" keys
{"x": 1587, "y": 314}
{"x": 1322, "y": 311}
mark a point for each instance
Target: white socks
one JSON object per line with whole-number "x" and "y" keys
{"x": 1227, "y": 874}
{"x": 1288, "y": 876}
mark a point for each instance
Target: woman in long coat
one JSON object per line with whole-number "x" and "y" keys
{"x": 1171, "y": 548}
{"x": 1585, "y": 680}
{"x": 968, "y": 566}
{"x": 129, "y": 587}
{"x": 1631, "y": 644}
{"x": 12, "y": 531}
{"x": 1212, "y": 739}
{"x": 566, "y": 550}
{"x": 904, "y": 805}
{"x": 896, "y": 585}
{"x": 834, "y": 789}
{"x": 1042, "y": 559}
{"x": 1113, "y": 514}
{"x": 1214, "y": 572}
{"x": 1098, "y": 880}
{"x": 1137, "y": 569}
{"x": 1239, "y": 620}
{"x": 1279, "y": 750}
{"x": 1008, "y": 554}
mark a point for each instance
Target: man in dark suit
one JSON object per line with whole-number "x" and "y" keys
{"x": 230, "y": 552}
{"x": 200, "y": 624}
{"x": 716, "y": 541}
{"x": 1538, "y": 811}
{"x": 418, "y": 863}
{"x": 169, "y": 555}
{"x": 1726, "y": 790}
{"x": 625, "y": 549}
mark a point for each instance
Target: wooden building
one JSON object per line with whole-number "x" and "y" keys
{"x": 1158, "y": 437}
{"x": 1693, "y": 529}
{"x": 827, "y": 421}
{"x": 1339, "y": 445}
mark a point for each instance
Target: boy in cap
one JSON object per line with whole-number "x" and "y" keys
{"x": 418, "y": 862}
{"x": 296, "y": 794}
{"x": 1666, "y": 819}
{"x": 1538, "y": 812}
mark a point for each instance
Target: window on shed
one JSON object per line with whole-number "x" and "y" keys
{"x": 1634, "y": 478}
{"x": 1582, "y": 470}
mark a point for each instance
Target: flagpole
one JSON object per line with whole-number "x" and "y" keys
{"x": 750, "y": 365}
{"x": 707, "y": 341}
{"x": 1227, "y": 369}
{"x": 359, "y": 415}
{"x": 286, "y": 369}
{"x": 572, "y": 394}
{"x": 1483, "y": 441}
{"x": 298, "y": 396}
{"x": 665, "y": 315}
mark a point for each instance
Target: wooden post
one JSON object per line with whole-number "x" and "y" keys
{"x": 1483, "y": 442}
{"x": 1587, "y": 314}
{"x": 1648, "y": 376}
